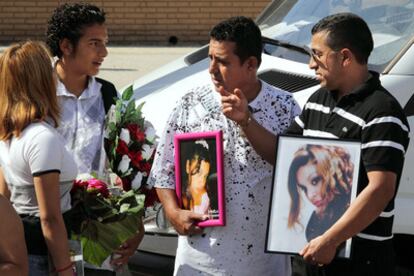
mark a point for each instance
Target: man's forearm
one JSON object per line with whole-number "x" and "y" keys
{"x": 364, "y": 210}
{"x": 262, "y": 140}
{"x": 168, "y": 199}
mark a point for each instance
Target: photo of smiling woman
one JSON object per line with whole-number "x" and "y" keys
{"x": 322, "y": 174}
{"x": 314, "y": 182}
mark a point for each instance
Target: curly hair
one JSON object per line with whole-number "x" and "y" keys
{"x": 68, "y": 21}
{"x": 333, "y": 164}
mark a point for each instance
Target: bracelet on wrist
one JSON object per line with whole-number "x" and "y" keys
{"x": 57, "y": 270}
{"x": 245, "y": 123}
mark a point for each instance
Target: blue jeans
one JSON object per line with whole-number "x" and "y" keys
{"x": 38, "y": 265}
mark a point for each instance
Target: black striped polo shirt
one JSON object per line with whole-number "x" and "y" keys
{"x": 374, "y": 117}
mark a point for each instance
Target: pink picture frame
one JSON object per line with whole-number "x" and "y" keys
{"x": 199, "y": 175}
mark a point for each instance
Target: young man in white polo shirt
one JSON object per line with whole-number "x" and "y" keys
{"x": 77, "y": 36}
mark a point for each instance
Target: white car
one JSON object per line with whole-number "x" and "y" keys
{"x": 286, "y": 28}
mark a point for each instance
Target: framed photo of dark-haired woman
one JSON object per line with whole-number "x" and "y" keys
{"x": 199, "y": 175}
{"x": 314, "y": 182}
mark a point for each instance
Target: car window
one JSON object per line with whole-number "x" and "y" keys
{"x": 391, "y": 23}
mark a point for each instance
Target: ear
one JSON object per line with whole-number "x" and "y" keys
{"x": 252, "y": 63}
{"x": 66, "y": 47}
{"x": 347, "y": 57}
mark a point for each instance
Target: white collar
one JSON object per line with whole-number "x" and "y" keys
{"x": 92, "y": 90}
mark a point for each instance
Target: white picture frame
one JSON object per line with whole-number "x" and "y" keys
{"x": 314, "y": 181}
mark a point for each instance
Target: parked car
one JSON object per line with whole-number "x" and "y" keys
{"x": 286, "y": 29}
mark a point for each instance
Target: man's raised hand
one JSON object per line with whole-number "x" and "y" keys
{"x": 234, "y": 105}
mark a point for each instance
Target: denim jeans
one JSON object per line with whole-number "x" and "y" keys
{"x": 38, "y": 265}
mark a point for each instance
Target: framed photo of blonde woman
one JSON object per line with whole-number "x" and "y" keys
{"x": 199, "y": 175}
{"x": 314, "y": 182}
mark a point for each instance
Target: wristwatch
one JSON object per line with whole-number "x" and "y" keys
{"x": 245, "y": 123}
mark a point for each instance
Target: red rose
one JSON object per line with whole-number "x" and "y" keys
{"x": 122, "y": 148}
{"x": 146, "y": 167}
{"x": 97, "y": 186}
{"x": 136, "y": 158}
{"x": 150, "y": 197}
{"x": 136, "y": 133}
{"x": 79, "y": 185}
{"x": 126, "y": 184}
{"x": 140, "y": 136}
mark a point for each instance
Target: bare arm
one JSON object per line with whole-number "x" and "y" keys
{"x": 129, "y": 247}
{"x": 235, "y": 107}
{"x": 13, "y": 253}
{"x": 53, "y": 227}
{"x": 182, "y": 220}
{"x": 362, "y": 212}
{"x": 4, "y": 190}
{"x": 262, "y": 140}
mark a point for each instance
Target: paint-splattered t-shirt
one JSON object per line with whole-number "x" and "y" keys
{"x": 238, "y": 247}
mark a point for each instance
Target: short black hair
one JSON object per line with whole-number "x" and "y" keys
{"x": 244, "y": 32}
{"x": 68, "y": 21}
{"x": 347, "y": 30}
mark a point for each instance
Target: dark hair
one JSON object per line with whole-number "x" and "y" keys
{"x": 198, "y": 152}
{"x": 68, "y": 21}
{"x": 201, "y": 151}
{"x": 347, "y": 30}
{"x": 244, "y": 32}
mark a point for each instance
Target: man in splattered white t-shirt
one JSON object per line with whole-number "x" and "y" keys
{"x": 238, "y": 247}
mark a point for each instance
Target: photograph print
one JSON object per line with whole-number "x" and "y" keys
{"x": 199, "y": 175}
{"x": 314, "y": 182}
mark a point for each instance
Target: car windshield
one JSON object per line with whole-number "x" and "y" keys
{"x": 391, "y": 23}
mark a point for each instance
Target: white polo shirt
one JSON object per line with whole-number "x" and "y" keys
{"x": 82, "y": 125}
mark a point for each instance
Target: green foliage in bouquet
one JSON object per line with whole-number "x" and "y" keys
{"x": 130, "y": 143}
{"x": 103, "y": 220}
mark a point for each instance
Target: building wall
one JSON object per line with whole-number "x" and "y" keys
{"x": 131, "y": 21}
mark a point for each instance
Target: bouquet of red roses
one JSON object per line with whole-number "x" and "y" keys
{"x": 103, "y": 218}
{"x": 130, "y": 145}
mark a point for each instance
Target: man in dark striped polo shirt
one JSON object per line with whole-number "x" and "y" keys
{"x": 351, "y": 104}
